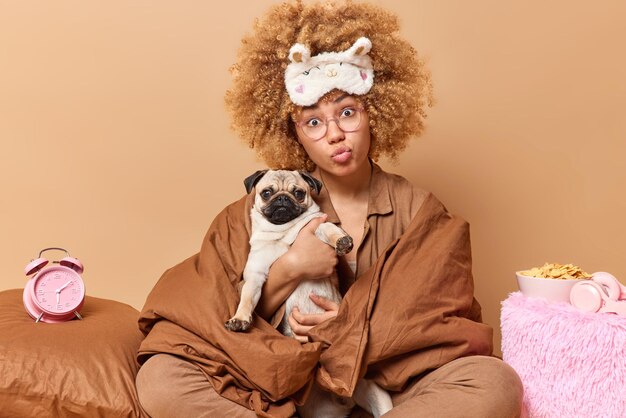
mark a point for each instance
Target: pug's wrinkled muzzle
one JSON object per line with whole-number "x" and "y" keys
{"x": 282, "y": 209}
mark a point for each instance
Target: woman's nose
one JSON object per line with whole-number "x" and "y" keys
{"x": 334, "y": 132}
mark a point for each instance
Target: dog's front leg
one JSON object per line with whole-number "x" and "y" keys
{"x": 250, "y": 294}
{"x": 254, "y": 275}
{"x": 334, "y": 236}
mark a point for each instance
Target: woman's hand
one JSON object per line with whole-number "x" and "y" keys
{"x": 301, "y": 323}
{"x": 309, "y": 258}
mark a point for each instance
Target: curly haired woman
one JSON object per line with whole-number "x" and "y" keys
{"x": 329, "y": 88}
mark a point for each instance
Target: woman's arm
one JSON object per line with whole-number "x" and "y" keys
{"x": 280, "y": 283}
{"x": 307, "y": 259}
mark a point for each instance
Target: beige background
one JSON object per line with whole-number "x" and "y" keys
{"x": 115, "y": 143}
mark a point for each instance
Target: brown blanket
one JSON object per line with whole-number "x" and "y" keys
{"x": 411, "y": 312}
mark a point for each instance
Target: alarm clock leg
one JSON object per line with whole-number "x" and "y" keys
{"x": 78, "y": 315}
{"x": 39, "y": 318}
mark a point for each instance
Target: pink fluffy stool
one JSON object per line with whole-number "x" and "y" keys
{"x": 572, "y": 363}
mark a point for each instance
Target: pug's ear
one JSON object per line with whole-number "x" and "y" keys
{"x": 253, "y": 179}
{"x": 313, "y": 183}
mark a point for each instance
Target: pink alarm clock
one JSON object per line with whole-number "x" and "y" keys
{"x": 55, "y": 293}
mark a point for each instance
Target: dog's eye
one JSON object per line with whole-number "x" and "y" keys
{"x": 266, "y": 194}
{"x": 299, "y": 194}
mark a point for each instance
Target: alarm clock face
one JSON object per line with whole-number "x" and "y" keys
{"x": 58, "y": 290}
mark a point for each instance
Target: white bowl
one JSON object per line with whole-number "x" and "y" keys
{"x": 551, "y": 289}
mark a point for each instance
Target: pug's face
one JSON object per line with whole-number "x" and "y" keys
{"x": 282, "y": 195}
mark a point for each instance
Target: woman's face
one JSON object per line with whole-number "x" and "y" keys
{"x": 336, "y": 152}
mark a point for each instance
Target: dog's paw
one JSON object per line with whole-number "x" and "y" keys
{"x": 344, "y": 245}
{"x": 237, "y": 325}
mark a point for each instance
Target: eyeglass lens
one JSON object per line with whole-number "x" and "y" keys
{"x": 348, "y": 121}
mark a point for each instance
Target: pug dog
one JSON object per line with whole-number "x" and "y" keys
{"x": 283, "y": 205}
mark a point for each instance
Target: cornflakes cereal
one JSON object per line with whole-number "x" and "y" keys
{"x": 557, "y": 271}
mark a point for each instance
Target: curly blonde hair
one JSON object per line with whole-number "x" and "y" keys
{"x": 262, "y": 113}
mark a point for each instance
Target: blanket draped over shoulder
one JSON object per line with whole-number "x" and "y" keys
{"x": 411, "y": 312}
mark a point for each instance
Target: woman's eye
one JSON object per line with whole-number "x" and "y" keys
{"x": 314, "y": 123}
{"x": 346, "y": 113}
{"x": 266, "y": 194}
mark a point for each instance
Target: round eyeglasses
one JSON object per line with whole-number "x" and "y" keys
{"x": 348, "y": 120}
